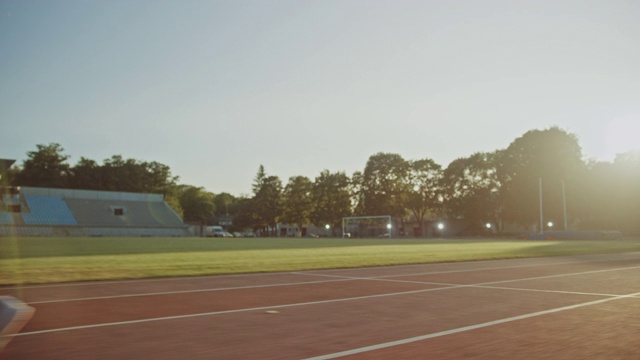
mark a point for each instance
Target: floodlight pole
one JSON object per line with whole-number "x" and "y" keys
{"x": 564, "y": 205}
{"x": 540, "y": 195}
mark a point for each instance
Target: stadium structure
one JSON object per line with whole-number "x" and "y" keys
{"x": 33, "y": 211}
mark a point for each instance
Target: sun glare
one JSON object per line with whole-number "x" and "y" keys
{"x": 622, "y": 135}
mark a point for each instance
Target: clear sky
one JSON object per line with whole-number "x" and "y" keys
{"x": 213, "y": 89}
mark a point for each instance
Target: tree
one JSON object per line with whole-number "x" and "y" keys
{"x": 244, "y": 216}
{"x": 267, "y": 202}
{"x": 552, "y": 155}
{"x": 132, "y": 175}
{"x": 8, "y": 176}
{"x": 626, "y": 191}
{"x": 297, "y": 203}
{"x": 472, "y": 190}
{"x": 172, "y": 198}
{"x": 86, "y": 174}
{"x": 424, "y": 178}
{"x": 157, "y": 178}
{"x": 226, "y": 211}
{"x": 331, "y": 199}
{"x": 356, "y": 189}
{"x": 258, "y": 181}
{"x": 610, "y": 198}
{"x": 196, "y": 203}
{"x": 384, "y": 185}
{"x": 119, "y": 174}
{"x": 225, "y": 204}
{"x": 45, "y": 167}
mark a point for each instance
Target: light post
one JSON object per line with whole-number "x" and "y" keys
{"x": 540, "y": 195}
{"x": 389, "y": 228}
{"x": 564, "y": 205}
{"x": 327, "y": 227}
{"x": 441, "y": 229}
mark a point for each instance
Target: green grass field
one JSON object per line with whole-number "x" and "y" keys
{"x": 45, "y": 260}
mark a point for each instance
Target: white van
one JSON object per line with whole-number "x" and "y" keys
{"x": 214, "y": 231}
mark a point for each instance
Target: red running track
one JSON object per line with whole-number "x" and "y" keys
{"x": 561, "y": 308}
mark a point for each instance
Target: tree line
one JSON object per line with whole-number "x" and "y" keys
{"x": 500, "y": 188}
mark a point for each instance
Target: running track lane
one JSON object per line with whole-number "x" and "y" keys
{"x": 477, "y": 310}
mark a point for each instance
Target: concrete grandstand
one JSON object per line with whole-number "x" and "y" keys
{"x": 31, "y": 211}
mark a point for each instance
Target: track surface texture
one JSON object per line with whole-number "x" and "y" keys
{"x": 582, "y": 307}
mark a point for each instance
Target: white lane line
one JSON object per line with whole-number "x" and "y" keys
{"x": 465, "y": 328}
{"x": 561, "y": 275}
{"x": 447, "y": 286}
{"x": 561, "y": 260}
{"x": 444, "y": 287}
{"x": 312, "y": 273}
{"x": 336, "y": 278}
{"x": 546, "y": 291}
{"x": 300, "y": 273}
{"x": 389, "y": 277}
{"x": 130, "y": 322}
{"x": 186, "y": 291}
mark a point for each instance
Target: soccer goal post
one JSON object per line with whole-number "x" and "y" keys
{"x": 367, "y": 226}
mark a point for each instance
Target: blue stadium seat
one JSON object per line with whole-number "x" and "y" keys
{"x": 48, "y": 210}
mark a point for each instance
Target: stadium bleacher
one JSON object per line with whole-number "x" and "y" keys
{"x": 64, "y": 212}
{"x": 101, "y": 213}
